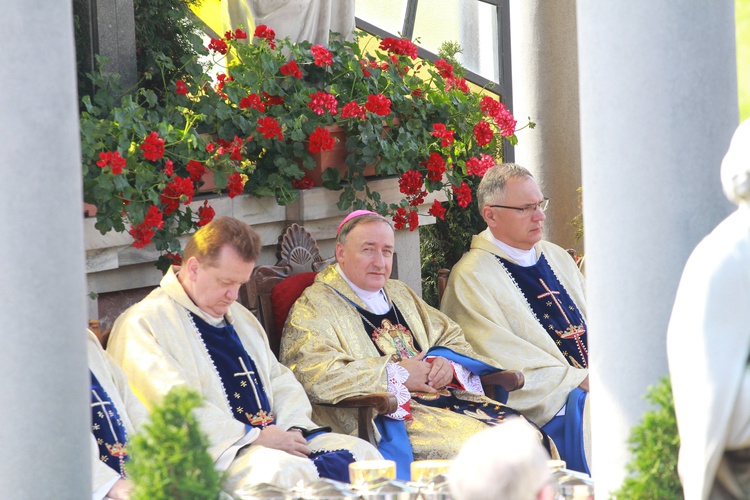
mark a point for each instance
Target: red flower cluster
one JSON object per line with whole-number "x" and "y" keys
{"x": 444, "y": 68}
{"x": 411, "y": 182}
{"x": 252, "y": 101}
{"x": 205, "y": 214}
{"x": 153, "y": 147}
{"x": 292, "y": 69}
{"x": 378, "y": 104}
{"x": 436, "y": 167}
{"x": 238, "y": 34}
{"x": 321, "y": 140}
{"x": 304, "y": 183}
{"x": 221, "y": 78}
{"x": 111, "y": 159}
{"x": 272, "y": 100}
{"x": 218, "y": 45}
{"x": 353, "y": 110}
{"x": 437, "y": 210}
{"x": 322, "y": 101}
{"x": 169, "y": 168}
{"x": 446, "y": 136}
{"x": 144, "y": 232}
{"x": 269, "y": 128}
{"x": 196, "y": 170}
{"x": 266, "y": 33}
{"x": 173, "y": 258}
{"x": 235, "y": 184}
{"x": 181, "y": 88}
{"x": 483, "y": 133}
{"x": 322, "y": 56}
{"x": 399, "y": 46}
{"x": 462, "y": 194}
{"x": 178, "y": 189}
{"x": 498, "y": 112}
{"x": 479, "y": 166}
{"x": 401, "y": 219}
{"x": 453, "y": 82}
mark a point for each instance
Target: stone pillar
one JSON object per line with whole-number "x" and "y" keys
{"x": 44, "y": 402}
{"x": 114, "y": 32}
{"x": 658, "y": 108}
{"x": 545, "y": 88}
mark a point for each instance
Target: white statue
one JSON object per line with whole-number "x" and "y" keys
{"x": 298, "y": 19}
{"x": 708, "y": 344}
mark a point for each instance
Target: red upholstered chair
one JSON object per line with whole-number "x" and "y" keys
{"x": 270, "y": 294}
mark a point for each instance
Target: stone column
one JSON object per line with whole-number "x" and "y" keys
{"x": 658, "y": 107}
{"x": 545, "y": 88}
{"x": 44, "y": 402}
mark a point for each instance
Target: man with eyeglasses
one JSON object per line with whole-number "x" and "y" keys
{"x": 520, "y": 301}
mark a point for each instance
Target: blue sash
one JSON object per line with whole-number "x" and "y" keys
{"x": 567, "y": 432}
{"x": 107, "y": 428}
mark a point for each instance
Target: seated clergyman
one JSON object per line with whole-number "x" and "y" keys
{"x": 520, "y": 301}
{"x": 355, "y": 332}
{"x": 190, "y": 332}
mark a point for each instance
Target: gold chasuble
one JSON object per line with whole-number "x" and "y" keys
{"x": 499, "y": 323}
{"x": 333, "y": 355}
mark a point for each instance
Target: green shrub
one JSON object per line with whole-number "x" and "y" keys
{"x": 169, "y": 457}
{"x": 654, "y": 444}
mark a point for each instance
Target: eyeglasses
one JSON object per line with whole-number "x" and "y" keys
{"x": 528, "y": 209}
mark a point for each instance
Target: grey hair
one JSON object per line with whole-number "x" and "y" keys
{"x": 356, "y": 221}
{"x": 735, "y": 168}
{"x": 492, "y": 186}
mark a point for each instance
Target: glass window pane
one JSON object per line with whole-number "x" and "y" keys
{"x": 473, "y": 24}
{"x": 385, "y": 14}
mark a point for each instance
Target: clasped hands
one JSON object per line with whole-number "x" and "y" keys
{"x": 291, "y": 441}
{"x": 427, "y": 376}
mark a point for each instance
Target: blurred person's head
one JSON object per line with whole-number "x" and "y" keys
{"x": 505, "y": 461}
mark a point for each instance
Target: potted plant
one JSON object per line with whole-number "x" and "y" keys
{"x": 260, "y": 123}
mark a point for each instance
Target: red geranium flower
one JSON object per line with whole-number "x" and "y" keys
{"x": 178, "y": 189}
{"x": 321, "y": 140}
{"x": 272, "y": 100}
{"x": 410, "y": 182}
{"x": 169, "y": 168}
{"x": 181, "y": 88}
{"x": 173, "y": 258}
{"x": 353, "y": 110}
{"x": 435, "y": 167}
{"x": 235, "y": 184}
{"x": 304, "y": 183}
{"x": 453, "y": 82}
{"x": 498, "y": 112}
{"x": 446, "y": 136}
{"x": 154, "y": 217}
{"x": 483, "y": 133}
{"x": 205, "y": 214}
{"x": 462, "y": 194}
{"x": 153, "y": 147}
{"x": 399, "y": 46}
{"x": 235, "y": 148}
{"x": 437, "y": 210}
{"x": 269, "y": 128}
{"x": 378, "y": 104}
{"x": 266, "y": 33}
{"x": 252, "y": 101}
{"x": 218, "y": 45}
{"x": 292, "y": 69}
{"x": 322, "y": 56}
{"x": 444, "y": 68}
{"x": 113, "y": 160}
{"x": 196, "y": 170}
{"x": 322, "y": 101}
{"x": 144, "y": 232}
{"x": 479, "y": 166}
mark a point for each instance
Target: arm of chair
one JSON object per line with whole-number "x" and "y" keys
{"x": 381, "y": 403}
{"x": 510, "y": 380}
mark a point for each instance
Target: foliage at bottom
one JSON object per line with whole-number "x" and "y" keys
{"x": 169, "y": 457}
{"x": 654, "y": 445}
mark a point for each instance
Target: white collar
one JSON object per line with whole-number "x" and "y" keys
{"x": 376, "y": 301}
{"x": 525, "y": 258}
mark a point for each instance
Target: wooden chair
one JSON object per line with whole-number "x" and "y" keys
{"x": 299, "y": 259}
